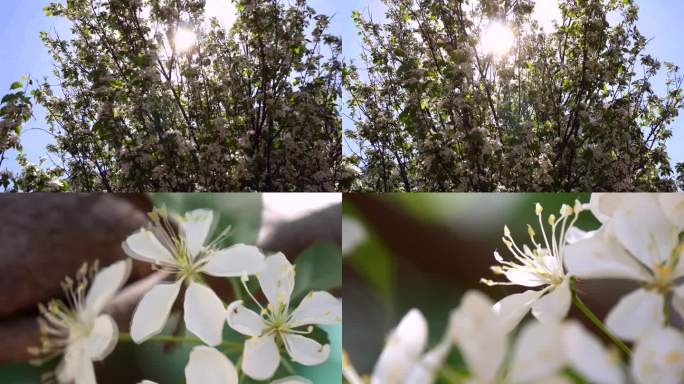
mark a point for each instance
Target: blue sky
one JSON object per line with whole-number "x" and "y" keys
{"x": 22, "y": 53}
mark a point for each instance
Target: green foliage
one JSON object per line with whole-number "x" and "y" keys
{"x": 319, "y": 267}
{"x": 573, "y": 109}
{"x": 252, "y": 108}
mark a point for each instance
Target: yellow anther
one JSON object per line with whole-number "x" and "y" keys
{"x": 507, "y": 232}
{"x": 552, "y": 219}
{"x": 530, "y": 230}
{"x": 538, "y": 209}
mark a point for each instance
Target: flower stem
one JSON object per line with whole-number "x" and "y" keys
{"x": 599, "y": 324}
{"x": 237, "y": 289}
{"x": 125, "y": 337}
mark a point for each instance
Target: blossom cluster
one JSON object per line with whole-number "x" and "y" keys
{"x": 641, "y": 238}
{"x": 82, "y": 332}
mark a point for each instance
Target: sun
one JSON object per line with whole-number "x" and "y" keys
{"x": 497, "y": 39}
{"x": 184, "y": 39}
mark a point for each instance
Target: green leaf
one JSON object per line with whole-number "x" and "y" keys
{"x": 16, "y": 85}
{"x": 319, "y": 267}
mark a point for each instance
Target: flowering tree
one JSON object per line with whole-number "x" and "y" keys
{"x": 641, "y": 238}
{"x": 150, "y": 97}
{"x": 462, "y": 95}
{"x": 78, "y": 331}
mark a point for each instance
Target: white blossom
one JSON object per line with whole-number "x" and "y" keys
{"x": 638, "y": 241}
{"x": 276, "y": 323}
{"x": 206, "y": 365}
{"x": 541, "y": 266}
{"x": 78, "y": 329}
{"x": 187, "y": 253}
{"x": 404, "y": 359}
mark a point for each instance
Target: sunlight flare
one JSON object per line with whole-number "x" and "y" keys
{"x": 184, "y": 39}
{"x": 497, "y": 39}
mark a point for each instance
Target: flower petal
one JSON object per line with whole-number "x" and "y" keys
{"x": 589, "y": 357}
{"x": 644, "y": 230}
{"x": 526, "y": 279}
{"x": 535, "y": 340}
{"x": 306, "y": 351}
{"x": 102, "y": 338}
{"x": 602, "y": 256}
{"x": 144, "y": 246}
{"x": 66, "y": 370}
{"x": 604, "y": 205}
{"x": 244, "y": 320}
{"x": 204, "y": 313}
{"x": 659, "y": 357}
{"x": 105, "y": 285}
{"x": 235, "y": 261}
{"x": 208, "y": 366}
{"x": 277, "y": 280}
{"x": 317, "y": 308}
{"x": 195, "y": 227}
{"x": 480, "y": 334}
{"x": 424, "y": 370}
{"x": 152, "y": 311}
{"x": 635, "y": 313}
{"x": 260, "y": 358}
{"x": 292, "y": 380}
{"x": 147, "y": 382}
{"x": 673, "y": 206}
{"x": 85, "y": 373}
{"x": 403, "y": 348}
{"x": 512, "y": 308}
{"x": 553, "y": 306}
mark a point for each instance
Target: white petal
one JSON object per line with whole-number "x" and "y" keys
{"x": 673, "y": 206}
{"x": 85, "y": 373}
{"x": 152, "y": 311}
{"x": 642, "y": 228}
{"x": 536, "y": 353}
{"x": 554, "y": 306}
{"x": 244, "y": 320}
{"x": 589, "y": 357}
{"x": 659, "y": 357}
{"x": 195, "y": 227}
{"x": 235, "y": 261}
{"x": 105, "y": 285}
{"x": 147, "y": 382}
{"x": 204, "y": 313}
{"x": 603, "y": 205}
{"x": 260, "y": 358}
{"x": 480, "y": 334}
{"x": 317, "y": 308}
{"x": 404, "y": 346}
{"x": 512, "y": 308}
{"x": 209, "y": 366}
{"x": 277, "y": 280}
{"x": 102, "y": 338}
{"x": 635, "y": 313}
{"x": 292, "y": 380}
{"x": 424, "y": 370}
{"x": 525, "y": 279}
{"x": 306, "y": 351}
{"x": 353, "y": 234}
{"x": 575, "y": 234}
{"x": 144, "y": 246}
{"x": 602, "y": 256}
{"x": 66, "y": 370}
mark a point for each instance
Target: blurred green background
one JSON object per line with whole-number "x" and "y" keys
{"x": 318, "y": 266}
{"x": 423, "y": 251}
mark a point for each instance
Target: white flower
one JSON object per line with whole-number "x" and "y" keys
{"x": 77, "y": 328}
{"x": 638, "y": 242}
{"x": 539, "y": 354}
{"x": 538, "y": 267}
{"x": 277, "y": 323}
{"x": 207, "y": 366}
{"x": 404, "y": 360}
{"x": 353, "y": 234}
{"x": 188, "y": 254}
{"x": 659, "y": 357}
